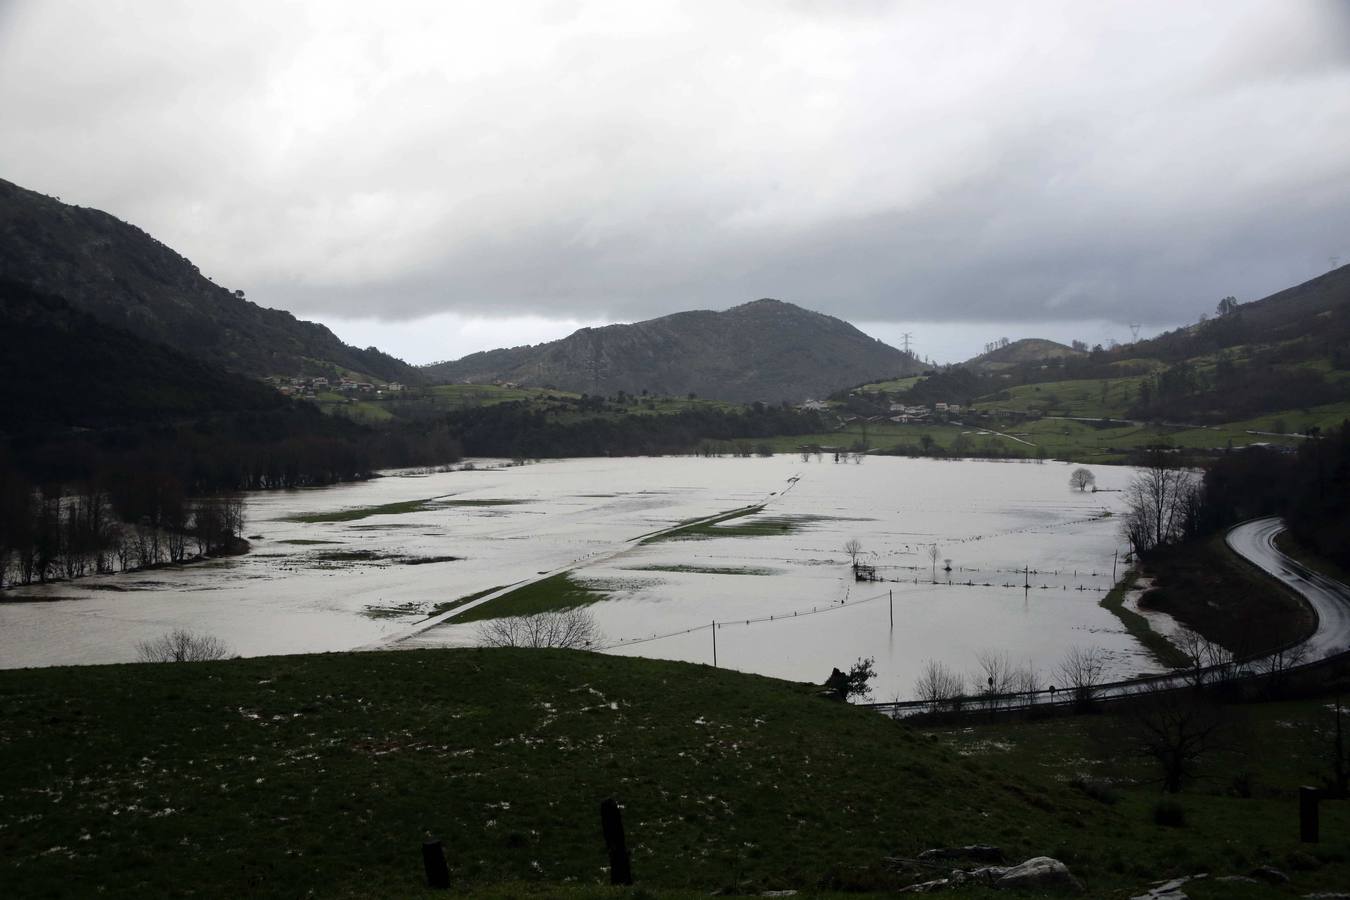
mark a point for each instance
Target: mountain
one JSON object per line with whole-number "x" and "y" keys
{"x": 1018, "y": 352}
{"x": 125, "y": 278}
{"x": 766, "y": 350}
{"x": 63, "y": 367}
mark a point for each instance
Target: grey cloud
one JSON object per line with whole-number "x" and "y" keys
{"x": 901, "y": 162}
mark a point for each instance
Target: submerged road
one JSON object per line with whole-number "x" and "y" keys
{"x": 1254, "y": 541}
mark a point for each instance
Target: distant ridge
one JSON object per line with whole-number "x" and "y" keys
{"x": 764, "y": 350}
{"x": 124, "y": 277}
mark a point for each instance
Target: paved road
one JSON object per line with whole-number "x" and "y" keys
{"x": 1255, "y": 542}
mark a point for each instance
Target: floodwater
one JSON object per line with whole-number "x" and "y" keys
{"x": 319, "y": 586}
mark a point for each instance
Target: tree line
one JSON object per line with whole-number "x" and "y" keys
{"x": 1169, "y": 503}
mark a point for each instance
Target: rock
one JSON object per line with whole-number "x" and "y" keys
{"x": 976, "y": 852}
{"x": 1270, "y": 875}
{"x": 926, "y": 887}
{"x": 1164, "y": 890}
{"x": 1039, "y": 872}
{"x": 1168, "y": 890}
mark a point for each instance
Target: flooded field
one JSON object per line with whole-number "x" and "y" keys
{"x": 359, "y": 565}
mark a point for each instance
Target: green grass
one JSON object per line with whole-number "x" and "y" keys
{"x": 323, "y": 774}
{"x": 893, "y": 386}
{"x": 362, "y": 512}
{"x": 550, "y": 594}
{"x": 1163, "y": 650}
{"x": 1070, "y": 398}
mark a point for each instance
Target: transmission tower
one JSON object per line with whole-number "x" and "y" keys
{"x": 905, "y": 339}
{"x": 1134, "y": 329}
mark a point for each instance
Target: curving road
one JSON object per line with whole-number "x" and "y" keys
{"x": 1254, "y": 541}
{"x": 1330, "y": 600}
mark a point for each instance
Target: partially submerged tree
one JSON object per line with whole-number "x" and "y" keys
{"x": 1163, "y": 504}
{"x": 181, "y": 645}
{"x": 933, "y": 553}
{"x": 854, "y": 548}
{"x": 1082, "y": 479}
{"x": 568, "y": 629}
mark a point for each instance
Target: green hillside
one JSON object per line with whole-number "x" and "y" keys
{"x": 288, "y": 776}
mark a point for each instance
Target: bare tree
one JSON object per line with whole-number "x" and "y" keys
{"x": 938, "y": 686}
{"x": 181, "y": 645}
{"x": 1275, "y": 666}
{"x": 1176, "y": 729}
{"x": 854, "y": 548}
{"x": 1082, "y": 479}
{"x": 1162, "y": 501}
{"x": 934, "y": 552}
{"x": 1206, "y": 661}
{"x": 1080, "y": 671}
{"x": 995, "y": 678}
{"x": 1027, "y": 679}
{"x": 570, "y": 629}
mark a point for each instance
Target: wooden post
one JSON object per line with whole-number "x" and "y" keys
{"x": 892, "y": 595}
{"x": 714, "y": 629}
{"x": 1307, "y": 814}
{"x": 611, "y": 823}
{"x": 1114, "y": 554}
{"x": 433, "y": 860}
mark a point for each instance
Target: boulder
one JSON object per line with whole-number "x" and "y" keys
{"x": 1039, "y": 872}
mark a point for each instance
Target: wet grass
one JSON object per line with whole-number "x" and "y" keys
{"x": 321, "y": 775}
{"x": 1158, "y": 646}
{"x": 425, "y": 560}
{"x": 447, "y": 605}
{"x": 471, "y": 503}
{"x": 716, "y": 526}
{"x": 362, "y": 512}
{"x": 550, "y": 594}
{"x": 704, "y": 570}
{"x": 1206, "y": 587}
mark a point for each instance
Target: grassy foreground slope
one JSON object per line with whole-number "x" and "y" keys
{"x": 322, "y": 774}
{"x": 274, "y": 776}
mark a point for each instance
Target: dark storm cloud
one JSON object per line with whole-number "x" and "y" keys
{"x": 887, "y": 162}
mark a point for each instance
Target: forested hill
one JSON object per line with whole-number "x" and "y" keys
{"x": 766, "y": 350}
{"x": 124, "y": 277}
{"x": 63, "y": 367}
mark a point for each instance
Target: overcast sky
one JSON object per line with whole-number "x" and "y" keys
{"x": 437, "y": 178}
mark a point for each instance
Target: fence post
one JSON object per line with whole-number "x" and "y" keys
{"x": 611, "y": 823}
{"x": 714, "y": 631}
{"x": 433, "y": 860}
{"x": 1307, "y": 814}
